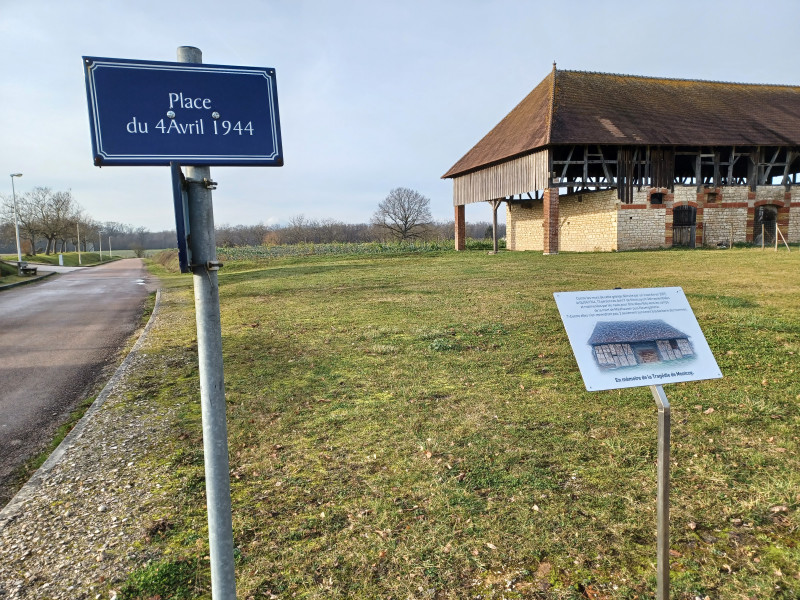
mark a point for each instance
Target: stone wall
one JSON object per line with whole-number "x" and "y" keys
{"x": 597, "y": 221}
{"x": 588, "y": 222}
{"x": 684, "y": 194}
{"x": 774, "y": 194}
{"x": 720, "y": 224}
{"x": 524, "y": 225}
{"x": 640, "y": 227}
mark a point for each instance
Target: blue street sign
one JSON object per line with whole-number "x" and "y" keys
{"x": 153, "y": 113}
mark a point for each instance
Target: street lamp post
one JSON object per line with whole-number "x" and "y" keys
{"x": 16, "y": 220}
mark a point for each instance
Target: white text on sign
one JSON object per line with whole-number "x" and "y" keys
{"x": 195, "y": 127}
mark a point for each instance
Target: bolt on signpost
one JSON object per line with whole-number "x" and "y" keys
{"x": 640, "y": 337}
{"x": 158, "y": 113}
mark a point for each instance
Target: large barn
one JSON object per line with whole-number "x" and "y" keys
{"x": 604, "y": 162}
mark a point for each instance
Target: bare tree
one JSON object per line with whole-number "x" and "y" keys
{"x": 54, "y": 211}
{"x": 298, "y": 230}
{"x": 404, "y": 213}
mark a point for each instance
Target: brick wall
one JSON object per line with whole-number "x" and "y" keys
{"x": 550, "y": 205}
{"x": 794, "y": 217}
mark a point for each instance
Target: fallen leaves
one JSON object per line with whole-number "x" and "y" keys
{"x": 543, "y": 571}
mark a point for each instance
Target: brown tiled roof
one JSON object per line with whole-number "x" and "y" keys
{"x": 576, "y": 107}
{"x": 526, "y": 127}
{"x": 617, "y": 332}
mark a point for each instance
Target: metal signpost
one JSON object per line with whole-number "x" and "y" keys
{"x": 662, "y": 500}
{"x": 631, "y": 338}
{"x": 157, "y": 113}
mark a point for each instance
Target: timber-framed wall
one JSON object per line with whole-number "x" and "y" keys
{"x": 672, "y": 155}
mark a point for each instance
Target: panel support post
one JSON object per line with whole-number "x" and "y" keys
{"x": 551, "y": 229}
{"x": 212, "y": 379}
{"x": 662, "y": 544}
{"x": 461, "y": 228}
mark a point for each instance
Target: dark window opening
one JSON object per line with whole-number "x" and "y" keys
{"x": 765, "y": 224}
{"x": 657, "y": 198}
{"x": 711, "y": 197}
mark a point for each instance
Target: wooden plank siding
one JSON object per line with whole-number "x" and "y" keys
{"x": 509, "y": 178}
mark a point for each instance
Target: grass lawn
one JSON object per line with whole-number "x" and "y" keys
{"x": 415, "y": 426}
{"x": 70, "y": 258}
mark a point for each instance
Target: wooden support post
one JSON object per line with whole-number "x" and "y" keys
{"x": 698, "y": 172}
{"x": 461, "y": 228}
{"x": 550, "y": 200}
{"x": 495, "y": 205}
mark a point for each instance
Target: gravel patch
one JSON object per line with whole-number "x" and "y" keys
{"x": 76, "y": 527}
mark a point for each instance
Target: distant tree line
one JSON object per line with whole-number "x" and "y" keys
{"x": 52, "y": 221}
{"x": 301, "y": 230}
{"x": 403, "y": 215}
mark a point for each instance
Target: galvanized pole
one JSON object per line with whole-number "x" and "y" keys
{"x": 16, "y": 219}
{"x": 212, "y": 380}
{"x": 662, "y": 545}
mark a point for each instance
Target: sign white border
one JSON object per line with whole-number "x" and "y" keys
{"x": 635, "y": 337}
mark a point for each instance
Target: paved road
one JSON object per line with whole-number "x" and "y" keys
{"x": 56, "y": 338}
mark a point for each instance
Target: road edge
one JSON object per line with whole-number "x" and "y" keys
{"x": 10, "y": 510}
{"x": 8, "y": 286}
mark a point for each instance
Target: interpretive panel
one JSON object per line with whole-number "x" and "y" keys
{"x": 635, "y": 337}
{"x": 153, "y": 113}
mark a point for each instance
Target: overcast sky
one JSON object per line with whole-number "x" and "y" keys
{"x": 373, "y": 94}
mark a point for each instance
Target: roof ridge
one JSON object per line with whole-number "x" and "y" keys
{"x": 773, "y": 85}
